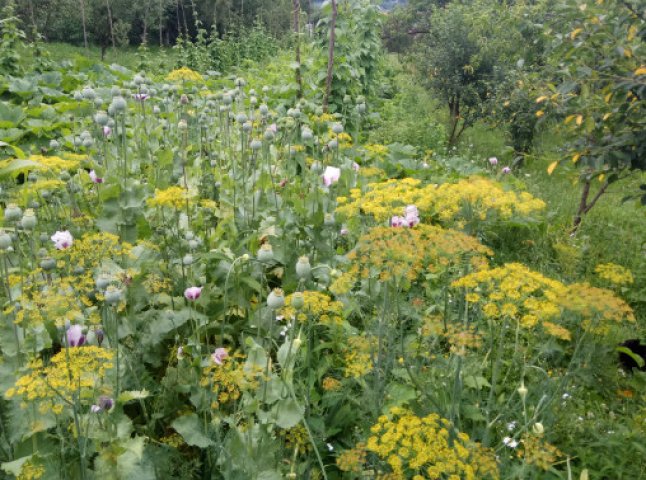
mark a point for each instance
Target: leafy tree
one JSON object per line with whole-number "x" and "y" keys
{"x": 599, "y": 61}
{"x": 465, "y": 50}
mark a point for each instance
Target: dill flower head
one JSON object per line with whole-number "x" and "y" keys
{"x": 405, "y": 254}
{"x": 428, "y": 447}
{"x": 184, "y": 74}
{"x": 446, "y": 202}
{"x": 174, "y": 197}
{"x": 615, "y": 274}
{"x": 72, "y": 371}
{"x": 229, "y": 378}
{"x": 516, "y": 292}
{"x": 357, "y": 356}
{"x": 317, "y": 306}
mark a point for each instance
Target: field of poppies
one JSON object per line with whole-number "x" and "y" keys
{"x": 206, "y": 276}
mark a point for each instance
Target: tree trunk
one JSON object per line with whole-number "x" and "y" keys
{"x": 84, "y": 23}
{"x": 330, "y": 58}
{"x": 454, "y": 113}
{"x": 161, "y": 16}
{"x": 584, "y": 206}
{"x": 114, "y": 43}
{"x": 297, "y": 33}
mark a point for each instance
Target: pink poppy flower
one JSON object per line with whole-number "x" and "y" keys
{"x": 107, "y": 131}
{"x": 95, "y": 178}
{"x": 219, "y": 355}
{"x": 493, "y": 161}
{"x": 331, "y": 175}
{"x": 193, "y": 293}
{"x": 62, "y": 240}
{"x": 506, "y": 170}
{"x": 141, "y": 97}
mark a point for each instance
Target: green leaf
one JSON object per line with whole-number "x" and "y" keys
{"x": 189, "y": 427}
{"x": 16, "y": 150}
{"x": 15, "y": 467}
{"x": 636, "y": 358}
{"x": 269, "y": 475}
{"x": 131, "y": 395}
{"x": 16, "y": 166}
{"x": 288, "y": 413}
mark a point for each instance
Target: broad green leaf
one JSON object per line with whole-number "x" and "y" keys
{"x": 288, "y": 413}
{"x": 190, "y": 428}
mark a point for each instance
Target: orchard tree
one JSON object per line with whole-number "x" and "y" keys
{"x": 599, "y": 56}
{"x": 467, "y": 48}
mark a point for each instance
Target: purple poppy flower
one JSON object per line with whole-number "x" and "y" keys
{"x": 141, "y": 97}
{"x": 75, "y": 337}
{"x": 493, "y": 161}
{"x": 506, "y": 170}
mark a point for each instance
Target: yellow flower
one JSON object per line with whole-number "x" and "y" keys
{"x": 614, "y": 273}
{"x": 184, "y": 74}
{"x": 175, "y": 197}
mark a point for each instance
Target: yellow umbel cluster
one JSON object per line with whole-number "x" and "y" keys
{"x": 474, "y": 198}
{"x": 73, "y": 373}
{"x": 403, "y": 254}
{"x": 317, "y": 306}
{"x": 184, "y": 74}
{"x": 174, "y": 197}
{"x": 429, "y": 448}
{"x": 520, "y": 294}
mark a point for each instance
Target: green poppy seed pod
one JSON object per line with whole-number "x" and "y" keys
{"x": 119, "y": 104}
{"x": 347, "y": 99}
{"x": 182, "y": 125}
{"x": 78, "y": 96}
{"x": 361, "y": 108}
{"x": 303, "y": 268}
{"x": 538, "y": 429}
{"x": 264, "y": 109}
{"x": 101, "y": 118}
{"x": 255, "y": 144}
{"x": 32, "y": 177}
{"x": 265, "y": 253}
{"x": 245, "y": 258}
{"x": 298, "y": 300}
{"x": 88, "y": 142}
{"x": 227, "y": 99}
{"x": 265, "y": 89}
{"x": 54, "y": 144}
{"x": 333, "y": 144}
{"x": 29, "y": 220}
{"x": 240, "y": 82}
{"x": 187, "y": 260}
{"x": 138, "y": 80}
{"x": 78, "y": 270}
{"x": 337, "y": 128}
{"x": 115, "y": 91}
{"x": 329, "y": 220}
{"x": 85, "y": 134}
{"x": 253, "y": 100}
{"x": 247, "y": 127}
{"x": 193, "y": 244}
{"x": 12, "y": 213}
{"x": 78, "y": 141}
{"x": 183, "y": 99}
{"x": 34, "y": 205}
{"x": 241, "y": 118}
{"x": 361, "y": 99}
{"x": 276, "y": 299}
{"x": 88, "y": 93}
{"x": 102, "y": 281}
{"x": 44, "y": 237}
{"x": 5, "y": 240}
{"x": 316, "y": 166}
{"x": 64, "y": 176}
{"x": 47, "y": 264}
{"x": 156, "y": 110}
{"x": 113, "y": 295}
{"x": 98, "y": 102}
{"x": 306, "y": 134}
{"x": 269, "y": 135}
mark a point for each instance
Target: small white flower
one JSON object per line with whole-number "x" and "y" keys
{"x": 566, "y": 396}
{"x": 510, "y": 442}
{"x": 511, "y": 426}
{"x": 330, "y": 447}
